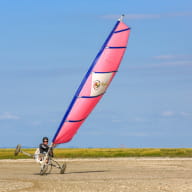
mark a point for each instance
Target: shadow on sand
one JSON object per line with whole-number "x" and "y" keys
{"x": 75, "y": 172}
{"x": 99, "y": 171}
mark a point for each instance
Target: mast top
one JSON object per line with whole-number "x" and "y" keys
{"x": 121, "y": 18}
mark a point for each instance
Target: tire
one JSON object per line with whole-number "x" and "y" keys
{"x": 44, "y": 168}
{"x": 63, "y": 168}
{"x": 49, "y": 169}
{"x": 17, "y": 150}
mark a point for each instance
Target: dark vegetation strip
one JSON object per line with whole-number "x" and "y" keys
{"x": 104, "y": 152}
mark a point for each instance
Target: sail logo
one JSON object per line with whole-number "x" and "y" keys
{"x": 100, "y": 82}
{"x": 96, "y": 84}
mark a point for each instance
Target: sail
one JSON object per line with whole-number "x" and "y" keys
{"x": 95, "y": 83}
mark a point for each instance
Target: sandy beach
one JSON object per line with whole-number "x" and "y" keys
{"x": 105, "y": 174}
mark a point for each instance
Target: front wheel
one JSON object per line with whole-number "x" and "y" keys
{"x": 44, "y": 168}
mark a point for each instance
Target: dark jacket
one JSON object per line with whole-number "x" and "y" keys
{"x": 43, "y": 148}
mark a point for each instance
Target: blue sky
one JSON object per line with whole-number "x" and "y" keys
{"x": 46, "y": 48}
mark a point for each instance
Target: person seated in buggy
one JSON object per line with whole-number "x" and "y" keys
{"x": 43, "y": 150}
{"x": 43, "y": 156}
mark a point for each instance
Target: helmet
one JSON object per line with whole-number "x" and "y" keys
{"x": 45, "y": 138}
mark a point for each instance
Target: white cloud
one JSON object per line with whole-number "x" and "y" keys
{"x": 177, "y": 14}
{"x": 186, "y": 114}
{"x": 8, "y": 116}
{"x": 36, "y": 123}
{"x": 172, "y": 57}
{"x": 176, "y": 63}
{"x": 166, "y": 57}
{"x": 170, "y": 63}
{"x": 174, "y": 60}
{"x": 168, "y": 113}
{"x": 133, "y": 16}
{"x": 149, "y": 16}
{"x": 140, "y": 119}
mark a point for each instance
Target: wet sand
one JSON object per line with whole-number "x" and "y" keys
{"x": 107, "y": 174}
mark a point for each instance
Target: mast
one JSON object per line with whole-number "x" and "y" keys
{"x": 121, "y": 18}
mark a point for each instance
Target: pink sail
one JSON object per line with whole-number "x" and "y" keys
{"x": 95, "y": 83}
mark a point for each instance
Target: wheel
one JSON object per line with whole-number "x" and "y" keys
{"x": 17, "y": 150}
{"x": 44, "y": 168}
{"x": 63, "y": 167}
{"x": 49, "y": 168}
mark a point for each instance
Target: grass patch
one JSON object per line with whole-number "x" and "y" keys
{"x": 104, "y": 152}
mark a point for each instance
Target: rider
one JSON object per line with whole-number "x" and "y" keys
{"x": 44, "y": 148}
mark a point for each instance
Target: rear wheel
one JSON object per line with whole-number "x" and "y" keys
{"x": 49, "y": 169}
{"x": 17, "y": 150}
{"x": 63, "y": 168}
